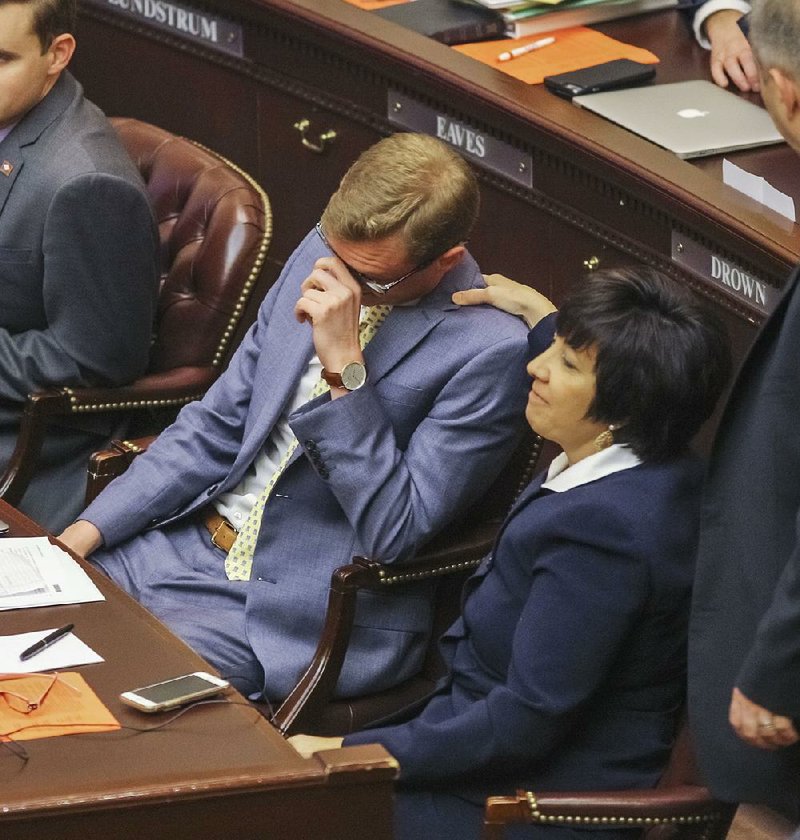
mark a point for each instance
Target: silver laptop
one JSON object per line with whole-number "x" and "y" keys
{"x": 691, "y": 119}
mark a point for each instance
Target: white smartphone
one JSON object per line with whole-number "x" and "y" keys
{"x": 170, "y": 694}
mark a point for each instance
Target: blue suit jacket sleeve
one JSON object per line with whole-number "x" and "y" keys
{"x": 582, "y": 604}
{"x": 396, "y": 498}
{"x": 172, "y": 473}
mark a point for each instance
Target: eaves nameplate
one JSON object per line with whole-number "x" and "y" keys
{"x": 478, "y": 146}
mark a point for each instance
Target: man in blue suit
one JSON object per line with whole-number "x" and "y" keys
{"x": 419, "y": 418}
{"x": 78, "y": 250}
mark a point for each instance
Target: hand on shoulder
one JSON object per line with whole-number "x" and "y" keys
{"x": 510, "y": 296}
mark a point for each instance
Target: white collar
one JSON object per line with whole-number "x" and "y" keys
{"x": 561, "y": 476}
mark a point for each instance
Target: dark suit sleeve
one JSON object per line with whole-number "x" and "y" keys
{"x": 771, "y": 671}
{"x": 541, "y": 336}
{"x": 99, "y": 287}
{"x": 582, "y": 604}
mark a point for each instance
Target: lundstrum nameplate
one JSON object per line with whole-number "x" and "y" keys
{"x": 732, "y": 278}
{"x": 179, "y": 19}
{"x": 482, "y": 148}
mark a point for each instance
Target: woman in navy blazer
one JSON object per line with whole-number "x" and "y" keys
{"x": 567, "y": 667}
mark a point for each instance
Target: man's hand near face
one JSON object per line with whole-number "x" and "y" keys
{"x": 331, "y": 302}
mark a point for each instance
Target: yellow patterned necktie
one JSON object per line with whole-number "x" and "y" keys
{"x": 239, "y": 562}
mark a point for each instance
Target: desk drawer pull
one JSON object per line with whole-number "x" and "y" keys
{"x": 324, "y": 138}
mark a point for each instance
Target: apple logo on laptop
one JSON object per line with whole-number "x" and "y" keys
{"x": 692, "y": 113}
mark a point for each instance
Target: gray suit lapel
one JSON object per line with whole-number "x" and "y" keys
{"x": 29, "y": 130}
{"x": 11, "y": 163}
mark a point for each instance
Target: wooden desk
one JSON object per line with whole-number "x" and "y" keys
{"x": 218, "y": 771}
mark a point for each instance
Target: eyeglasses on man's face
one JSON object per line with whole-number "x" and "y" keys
{"x": 373, "y": 285}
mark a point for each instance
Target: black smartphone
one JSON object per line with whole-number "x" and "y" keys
{"x": 607, "y": 76}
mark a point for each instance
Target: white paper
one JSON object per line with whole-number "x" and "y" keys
{"x": 65, "y": 653}
{"x": 758, "y": 188}
{"x": 35, "y": 573}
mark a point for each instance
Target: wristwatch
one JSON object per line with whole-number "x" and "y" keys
{"x": 352, "y": 377}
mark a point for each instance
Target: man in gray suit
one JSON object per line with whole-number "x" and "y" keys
{"x": 78, "y": 248}
{"x": 419, "y": 418}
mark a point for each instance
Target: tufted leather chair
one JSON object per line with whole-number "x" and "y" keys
{"x": 680, "y": 807}
{"x": 215, "y": 226}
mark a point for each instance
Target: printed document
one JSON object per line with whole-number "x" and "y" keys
{"x": 35, "y": 573}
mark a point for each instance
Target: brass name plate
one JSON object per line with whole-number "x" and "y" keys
{"x": 719, "y": 271}
{"x": 179, "y": 19}
{"x": 481, "y": 148}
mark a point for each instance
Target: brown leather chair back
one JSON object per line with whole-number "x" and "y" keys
{"x": 215, "y": 226}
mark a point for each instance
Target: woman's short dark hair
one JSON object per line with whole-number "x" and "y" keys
{"x": 662, "y": 358}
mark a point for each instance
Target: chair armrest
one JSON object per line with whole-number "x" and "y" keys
{"x": 442, "y": 556}
{"x": 108, "y": 464}
{"x": 155, "y": 390}
{"x": 684, "y": 805}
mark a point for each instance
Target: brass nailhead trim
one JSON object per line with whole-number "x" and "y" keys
{"x": 260, "y": 256}
{"x": 538, "y": 816}
{"x": 88, "y": 408}
{"x": 386, "y": 578}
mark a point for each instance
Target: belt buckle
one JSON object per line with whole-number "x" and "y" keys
{"x": 226, "y": 528}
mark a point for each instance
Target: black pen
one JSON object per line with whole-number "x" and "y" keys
{"x": 49, "y": 639}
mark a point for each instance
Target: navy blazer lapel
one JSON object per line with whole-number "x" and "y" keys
{"x": 528, "y": 494}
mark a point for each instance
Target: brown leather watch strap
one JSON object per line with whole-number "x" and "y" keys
{"x": 333, "y": 379}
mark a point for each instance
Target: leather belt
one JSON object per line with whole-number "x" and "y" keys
{"x": 221, "y": 531}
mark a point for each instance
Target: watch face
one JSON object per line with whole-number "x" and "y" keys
{"x": 354, "y": 375}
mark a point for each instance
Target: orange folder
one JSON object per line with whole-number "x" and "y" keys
{"x": 573, "y": 49}
{"x": 64, "y": 710}
{"x": 369, "y": 5}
